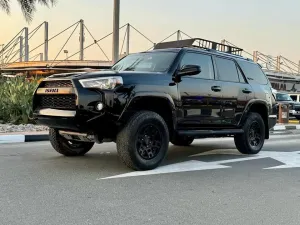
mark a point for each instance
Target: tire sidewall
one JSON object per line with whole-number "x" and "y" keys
{"x": 254, "y": 117}
{"x": 135, "y": 130}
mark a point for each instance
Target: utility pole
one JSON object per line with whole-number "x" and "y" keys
{"x": 178, "y": 35}
{"x": 26, "y": 45}
{"x": 21, "y": 49}
{"x": 41, "y": 57}
{"x": 278, "y": 63}
{"x": 2, "y": 52}
{"x": 255, "y": 56}
{"x": 116, "y": 33}
{"x": 46, "y": 41}
{"x": 81, "y": 40}
{"x": 128, "y": 39}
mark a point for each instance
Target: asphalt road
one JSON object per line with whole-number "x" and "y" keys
{"x": 207, "y": 183}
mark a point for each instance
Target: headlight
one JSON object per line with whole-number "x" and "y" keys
{"x": 102, "y": 82}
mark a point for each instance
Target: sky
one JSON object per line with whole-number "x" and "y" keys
{"x": 268, "y": 26}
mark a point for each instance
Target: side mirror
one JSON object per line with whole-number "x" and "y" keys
{"x": 189, "y": 70}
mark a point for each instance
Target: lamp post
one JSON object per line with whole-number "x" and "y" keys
{"x": 116, "y": 26}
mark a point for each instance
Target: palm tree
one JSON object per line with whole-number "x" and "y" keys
{"x": 28, "y": 6}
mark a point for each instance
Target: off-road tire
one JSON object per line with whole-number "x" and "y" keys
{"x": 242, "y": 141}
{"x": 62, "y": 146}
{"x": 182, "y": 140}
{"x": 128, "y": 140}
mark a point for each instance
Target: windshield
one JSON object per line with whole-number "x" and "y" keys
{"x": 283, "y": 97}
{"x": 148, "y": 62}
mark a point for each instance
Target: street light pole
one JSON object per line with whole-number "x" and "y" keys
{"x": 116, "y": 27}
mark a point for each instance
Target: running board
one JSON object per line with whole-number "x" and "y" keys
{"x": 201, "y": 133}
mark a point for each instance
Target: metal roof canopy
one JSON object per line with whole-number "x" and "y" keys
{"x": 204, "y": 44}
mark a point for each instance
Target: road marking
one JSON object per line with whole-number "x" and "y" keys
{"x": 289, "y": 159}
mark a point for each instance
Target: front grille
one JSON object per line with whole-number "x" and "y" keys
{"x": 57, "y": 84}
{"x": 67, "y": 102}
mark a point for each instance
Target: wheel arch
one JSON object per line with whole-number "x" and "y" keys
{"x": 260, "y": 107}
{"x": 158, "y": 102}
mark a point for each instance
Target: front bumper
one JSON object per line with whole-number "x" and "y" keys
{"x": 294, "y": 113}
{"x": 84, "y": 117}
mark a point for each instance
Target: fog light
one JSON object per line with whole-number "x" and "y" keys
{"x": 99, "y": 106}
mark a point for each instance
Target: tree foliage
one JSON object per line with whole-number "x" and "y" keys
{"x": 16, "y": 99}
{"x": 28, "y": 6}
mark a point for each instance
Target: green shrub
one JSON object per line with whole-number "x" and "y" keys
{"x": 16, "y": 99}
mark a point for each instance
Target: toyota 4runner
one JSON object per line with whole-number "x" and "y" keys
{"x": 177, "y": 92}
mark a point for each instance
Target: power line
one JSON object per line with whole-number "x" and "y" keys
{"x": 65, "y": 43}
{"x": 96, "y": 42}
{"x": 88, "y": 46}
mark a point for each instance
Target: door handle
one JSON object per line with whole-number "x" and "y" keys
{"x": 246, "y": 91}
{"x": 216, "y": 88}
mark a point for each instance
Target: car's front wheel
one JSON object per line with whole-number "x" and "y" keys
{"x": 66, "y": 147}
{"x": 143, "y": 143}
{"x": 253, "y": 138}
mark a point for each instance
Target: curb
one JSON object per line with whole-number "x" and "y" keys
{"x": 285, "y": 127}
{"x": 21, "y": 138}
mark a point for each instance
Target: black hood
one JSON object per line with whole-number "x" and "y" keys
{"x": 100, "y": 73}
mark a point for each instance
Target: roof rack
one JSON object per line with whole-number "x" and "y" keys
{"x": 203, "y": 44}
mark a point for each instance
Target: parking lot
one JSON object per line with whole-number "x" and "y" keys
{"x": 207, "y": 183}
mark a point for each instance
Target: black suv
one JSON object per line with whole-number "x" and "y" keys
{"x": 175, "y": 93}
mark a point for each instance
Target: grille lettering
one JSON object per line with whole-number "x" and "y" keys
{"x": 52, "y": 90}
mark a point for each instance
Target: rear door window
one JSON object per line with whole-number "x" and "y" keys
{"x": 253, "y": 72}
{"x": 227, "y": 70}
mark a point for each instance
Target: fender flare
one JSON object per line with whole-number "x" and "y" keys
{"x": 249, "y": 105}
{"x": 142, "y": 94}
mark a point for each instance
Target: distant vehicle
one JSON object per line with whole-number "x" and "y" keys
{"x": 175, "y": 93}
{"x": 294, "y": 106}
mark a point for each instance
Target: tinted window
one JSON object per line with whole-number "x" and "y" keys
{"x": 204, "y": 61}
{"x": 227, "y": 70}
{"x": 253, "y": 72}
{"x": 149, "y": 62}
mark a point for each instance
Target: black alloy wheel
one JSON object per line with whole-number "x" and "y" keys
{"x": 253, "y": 138}
{"x": 149, "y": 141}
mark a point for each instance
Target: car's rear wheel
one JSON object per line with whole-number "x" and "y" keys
{"x": 66, "y": 147}
{"x": 253, "y": 138}
{"x": 143, "y": 143}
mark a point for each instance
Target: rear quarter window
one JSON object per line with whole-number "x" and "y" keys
{"x": 253, "y": 72}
